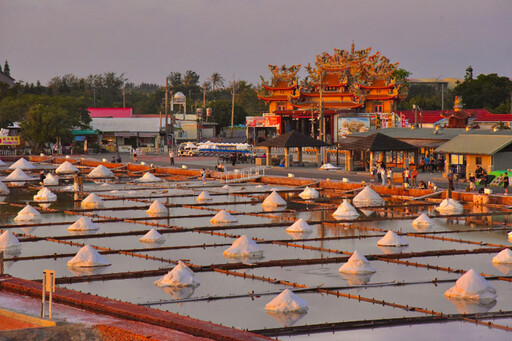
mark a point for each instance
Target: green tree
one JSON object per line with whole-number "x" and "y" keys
{"x": 469, "y": 74}
{"x": 216, "y": 81}
{"x": 491, "y": 92}
{"x": 221, "y": 113}
{"x": 7, "y": 69}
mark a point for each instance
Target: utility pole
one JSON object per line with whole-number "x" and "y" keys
{"x": 233, "y": 107}
{"x": 204, "y": 95}
{"x": 322, "y": 119}
{"x": 442, "y": 96}
{"x": 166, "y": 138}
{"x": 124, "y": 98}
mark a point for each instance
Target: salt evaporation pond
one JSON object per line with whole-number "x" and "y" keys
{"x": 191, "y": 237}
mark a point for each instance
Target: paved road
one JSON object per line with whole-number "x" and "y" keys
{"x": 303, "y": 172}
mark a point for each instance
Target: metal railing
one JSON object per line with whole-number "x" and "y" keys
{"x": 244, "y": 174}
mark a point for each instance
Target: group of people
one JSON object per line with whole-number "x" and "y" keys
{"x": 431, "y": 164}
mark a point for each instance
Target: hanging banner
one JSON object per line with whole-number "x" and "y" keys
{"x": 9, "y": 141}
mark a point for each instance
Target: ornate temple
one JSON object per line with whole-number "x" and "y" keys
{"x": 457, "y": 118}
{"x": 345, "y": 84}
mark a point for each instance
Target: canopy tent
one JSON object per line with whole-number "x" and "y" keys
{"x": 377, "y": 142}
{"x": 292, "y": 139}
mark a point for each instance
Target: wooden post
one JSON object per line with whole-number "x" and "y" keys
{"x": 268, "y": 156}
{"x": 318, "y": 161}
{"x": 299, "y": 155}
{"x": 286, "y": 154}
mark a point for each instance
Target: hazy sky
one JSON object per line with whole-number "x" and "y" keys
{"x": 148, "y": 39}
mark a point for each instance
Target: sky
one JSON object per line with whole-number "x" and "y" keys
{"x": 147, "y": 39}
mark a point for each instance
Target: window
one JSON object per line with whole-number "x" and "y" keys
{"x": 378, "y": 107}
{"x": 478, "y": 160}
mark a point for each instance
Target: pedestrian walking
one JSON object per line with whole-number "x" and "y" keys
{"x": 414, "y": 176}
{"x": 203, "y": 176}
{"x": 389, "y": 175}
{"x": 406, "y": 175}
{"x": 450, "y": 180}
{"x": 472, "y": 180}
{"x": 383, "y": 175}
{"x": 171, "y": 157}
{"x": 134, "y": 155}
{"x": 41, "y": 177}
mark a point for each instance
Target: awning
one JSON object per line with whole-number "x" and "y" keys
{"x": 85, "y": 132}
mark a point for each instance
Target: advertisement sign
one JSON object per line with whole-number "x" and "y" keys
{"x": 263, "y": 121}
{"x": 350, "y": 125}
{"x": 9, "y": 141}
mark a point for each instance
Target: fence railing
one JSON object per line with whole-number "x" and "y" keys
{"x": 243, "y": 174}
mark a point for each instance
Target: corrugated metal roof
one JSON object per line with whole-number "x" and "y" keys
{"x": 478, "y": 144}
{"x": 418, "y": 133}
{"x": 148, "y": 125}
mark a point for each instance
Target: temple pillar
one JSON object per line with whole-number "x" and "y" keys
{"x": 286, "y": 158}
{"x": 268, "y": 156}
{"x": 318, "y": 160}
{"x": 299, "y": 155}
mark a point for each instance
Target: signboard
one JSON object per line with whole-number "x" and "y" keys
{"x": 9, "y": 140}
{"x": 263, "y": 121}
{"x": 125, "y": 149}
{"x": 350, "y": 125}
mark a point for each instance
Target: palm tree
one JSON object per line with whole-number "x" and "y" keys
{"x": 216, "y": 80}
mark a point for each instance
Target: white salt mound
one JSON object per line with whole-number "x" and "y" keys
{"x": 92, "y": 201}
{"x": 328, "y": 166}
{"x": 226, "y": 187}
{"x": 45, "y": 194}
{"x": 83, "y": 224}
{"x": 423, "y": 221}
{"x": 505, "y": 257}
{"x": 274, "y": 200}
{"x": 345, "y": 211}
{"x": 153, "y": 236}
{"x": 28, "y": 213}
{"x": 223, "y": 217}
{"x": 100, "y": 172}
{"x": 86, "y": 257}
{"x": 50, "y": 180}
{"x": 3, "y": 188}
{"x": 392, "y": 239}
{"x": 357, "y": 264}
{"x": 368, "y": 197}
{"x": 22, "y": 164}
{"x": 472, "y": 286}
{"x": 450, "y": 206}
{"x": 179, "y": 276}
{"x": 9, "y": 242}
{"x": 66, "y": 168}
{"x": 156, "y": 208}
{"x": 148, "y": 177}
{"x": 18, "y": 174}
{"x": 299, "y": 226}
{"x": 287, "y": 302}
{"x": 309, "y": 193}
{"x": 243, "y": 247}
{"x": 204, "y": 196}
{"x": 2, "y": 163}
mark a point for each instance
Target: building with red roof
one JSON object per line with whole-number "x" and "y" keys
{"x": 111, "y": 112}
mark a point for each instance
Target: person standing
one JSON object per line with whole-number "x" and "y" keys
{"x": 389, "y": 175}
{"x": 406, "y": 176}
{"x": 171, "y": 157}
{"x": 41, "y": 177}
{"x": 134, "y": 155}
{"x": 414, "y": 175}
{"x": 450, "y": 181}
{"x": 203, "y": 176}
{"x": 505, "y": 183}
{"x": 472, "y": 181}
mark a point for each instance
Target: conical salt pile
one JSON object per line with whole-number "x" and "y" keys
{"x": 92, "y": 201}
{"x": 243, "y": 247}
{"x": 274, "y": 200}
{"x": 368, "y": 197}
{"x": 66, "y": 168}
{"x": 505, "y": 256}
{"x": 18, "y": 175}
{"x": 3, "y": 188}
{"x": 180, "y": 276}
{"x": 226, "y": 187}
{"x": 153, "y": 236}
{"x": 83, "y": 224}
{"x": 148, "y": 177}
{"x": 156, "y": 208}
{"x": 422, "y": 221}
{"x": 299, "y": 226}
{"x": 328, "y": 166}
{"x": 345, "y": 211}
{"x": 9, "y": 242}
{"x": 472, "y": 286}
{"x": 100, "y": 172}
{"x": 357, "y": 264}
{"x": 2, "y": 163}
{"x": 223, "y": 217}
{"x": 392, "y": 239}
{"x": 45, "y": 194}
{"x": 87, "y": 257}
{"x": 204, "y": 196}
{"x": 287, "y": 302}
{"x": 450, "y": 206}
{"x": 28, "y": 213}
{"x": 50, "y": 180}
{"x": 22, "y": 164}
{"x": 309, "y": 193}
